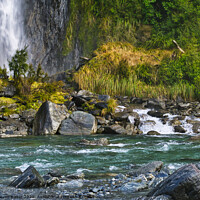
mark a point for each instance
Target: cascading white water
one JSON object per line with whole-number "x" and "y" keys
{"x": 11, "y": 29}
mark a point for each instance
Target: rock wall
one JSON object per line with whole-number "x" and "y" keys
{"x": 45, "y": 28}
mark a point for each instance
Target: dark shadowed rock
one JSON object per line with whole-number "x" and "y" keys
{"x": 30, "y": 178}
{"x": 155, "y": 114}
{"x": 79, "y": 100}
{"x": 103, "y": 97}
{"x": 49, "y": 118}
{"x": 148, "y": 168}
{"x": 155, "y": 104}
{"x": 153, "y": 133}
{"x": 115, "y": 129}
{"x": 184, "y": 184}
{"x": 79, "y": 123}
{"x": 179, "y": 129}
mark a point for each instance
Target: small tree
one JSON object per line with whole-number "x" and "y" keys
{"x": 18, "y": 64}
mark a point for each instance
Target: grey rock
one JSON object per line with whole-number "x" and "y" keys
{"x": 104, "y": 98}
{"x": 49, "y": 118}
{"x": 183, "y": 184}
{"x": 14, "y": 116}
{"x": 155, "y": 104}
{"x": 30, "y": 178}
{"x": 101, "y": 105}
{"x": 115, "y": 129}
{"x": 79, "y": 123}
{"x": 148, "y": 168}
{"x": 8, "y": 91}
{"x": 71, "y": 184}
{"x": 99, "y": 142}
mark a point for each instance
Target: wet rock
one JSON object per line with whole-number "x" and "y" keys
{"x": 155, "y": 104}
{"x": 148, "y": 168}
{"x": 175, "y": 122}
{"x": 30, "y": 178}
{"x": 153, "y": 133}
{"x": 196, "y": 127}
{"x": 115, "y": 129}
{"x": 71, "y": 184}
{"x": 49, "y": 118}
{"x": 99, "y": 142}
{"x": 76, "y": 176}
{"x": 50, "y": 181}
{"x": 79, "y": 123}
{"x": 155, "y": 114}
{"x": 183, "y": 184}
{"x": 121, "y": 116}
{"x": 10, "y": 171}
{"x": 179, "y": 129}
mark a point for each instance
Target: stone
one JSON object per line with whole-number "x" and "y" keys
{"x": 70, "y": 105}
{"x": 179, "y": 129}
{"x": 183, "y": 184}
{"x": 104, "y": 98}
{"x": 78, "y": 100}
{"x": 155, "y": 114}
{"x": 101, "y": 105}
{"x": 154, "y": 166}
{"x": 79, "y": 123}
{"x": 76, "y": 176}
{"x": 115, "y": 129}
{"x": 71, "y": 184}
{"x": 153, "y": 133}
{"x": 175, "y": 122}
{"x": 183, "y": 106}
{"x": 136, "y": 100}
{"x": 49, "y": 118}
{"x": 30, "y": 178}
{"x": 14, "y": 116}
{"x": 155, "y": 104}
{"x": 196, "y": 127}
{"x": 99, "y": 142}
{"x": 84, "y": 93}
{"x": 8, "y": 91}
{"x": 101, "y": 120}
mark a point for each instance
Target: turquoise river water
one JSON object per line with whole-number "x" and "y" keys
{"x": 61, "y": 153}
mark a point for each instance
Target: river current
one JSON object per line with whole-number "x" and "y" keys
{"x": 64, "y": 155}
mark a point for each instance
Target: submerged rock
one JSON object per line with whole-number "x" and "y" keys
{"x": 184, "y": 184}
{"x": 30, "y": 178}
{"x": 153, "y": 133}
{"x": 79, "y": 123}
{"x": 49, "y": 118}
{"x": 100, "y": 142}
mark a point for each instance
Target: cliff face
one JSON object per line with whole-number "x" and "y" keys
{"x": 45, "y": 28}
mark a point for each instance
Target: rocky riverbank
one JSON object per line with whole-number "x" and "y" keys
{"x": 84, "y": 113}
{"x": 153, "y": 181}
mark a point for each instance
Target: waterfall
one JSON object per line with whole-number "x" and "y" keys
{"x": 11, "y": 29}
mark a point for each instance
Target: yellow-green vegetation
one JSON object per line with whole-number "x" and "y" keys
{"x": 121, "y": 69}
{"x": 112, "y": 104}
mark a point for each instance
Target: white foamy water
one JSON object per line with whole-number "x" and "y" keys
{"x": 149, "y": 123}
{"x": 118, "y": 145}
{"x": 11, "y": 29}
{"x": 38, "y": 163}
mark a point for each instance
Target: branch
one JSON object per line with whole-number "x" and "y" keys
{"x": 181, "y": 50}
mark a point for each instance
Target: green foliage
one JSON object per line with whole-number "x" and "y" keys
{"x": 18, "y": 64}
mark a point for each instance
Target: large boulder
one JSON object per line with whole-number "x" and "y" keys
{"x": 184, "y": 184}
{"x": 30, "y": 178}
{"x": 49, "y": 118}
{"x": 79, "y": 123}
